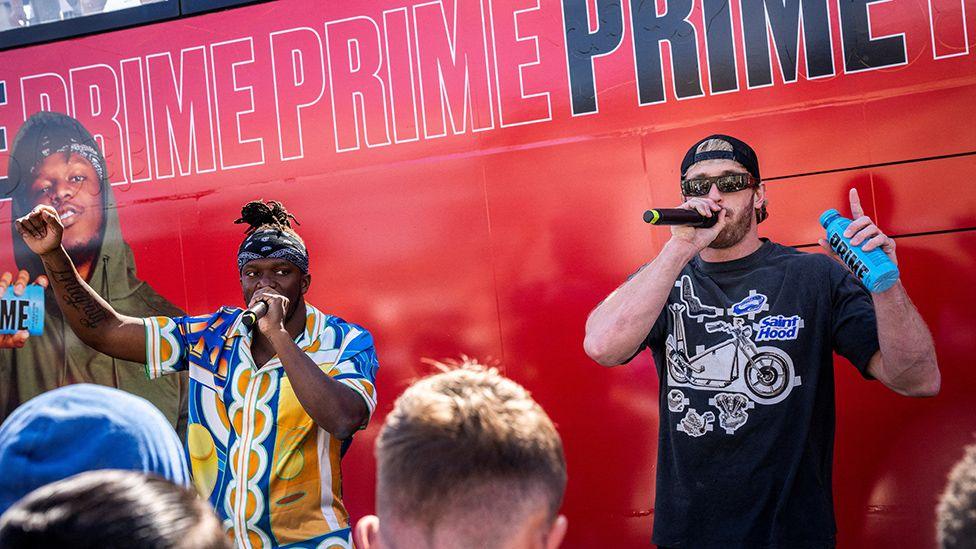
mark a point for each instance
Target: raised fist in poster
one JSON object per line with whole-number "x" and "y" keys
{"x": 41, "y": 229}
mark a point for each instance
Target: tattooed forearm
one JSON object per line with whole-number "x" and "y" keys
{"x": 79, "y": 297}
{"x": 92, "y": 318}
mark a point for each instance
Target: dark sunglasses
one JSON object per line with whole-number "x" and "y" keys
{"x": 725, "y": 183}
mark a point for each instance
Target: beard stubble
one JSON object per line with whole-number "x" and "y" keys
{"x": 734, "y": 231}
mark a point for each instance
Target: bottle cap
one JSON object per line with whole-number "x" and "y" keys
{"x": 828, "y": 216}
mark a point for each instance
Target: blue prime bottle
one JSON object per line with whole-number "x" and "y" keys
{"x": 873, "y": 268}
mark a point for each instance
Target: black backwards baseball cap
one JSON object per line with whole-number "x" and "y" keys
{"x": 741, "y": 153}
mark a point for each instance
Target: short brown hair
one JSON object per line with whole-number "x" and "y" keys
{"x": 463, "y": 440}
{"x": 956, "y": 514}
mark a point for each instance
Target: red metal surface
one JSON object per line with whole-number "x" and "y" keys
{"x": 496, "y": 243}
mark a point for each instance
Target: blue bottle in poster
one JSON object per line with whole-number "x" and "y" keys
{"x": 874, "y": 269}
{"x": 22, "y": 312}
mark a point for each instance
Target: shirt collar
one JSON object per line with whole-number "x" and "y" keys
{"x": 238, "y": 329}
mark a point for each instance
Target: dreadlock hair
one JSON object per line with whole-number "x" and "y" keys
{"x": 269, "y": 234}
{"x": 259, "y": 214}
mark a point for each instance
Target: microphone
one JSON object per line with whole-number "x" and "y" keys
{"x": 676, "y": 216}
{"x": 253, "y": 313}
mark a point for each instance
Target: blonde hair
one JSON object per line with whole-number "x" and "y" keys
{"x": 956, "y": 513}
{"x": 723, "y": 145}
{"x": 714, "y": 145}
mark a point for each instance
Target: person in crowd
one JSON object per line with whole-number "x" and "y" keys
{"x": 272, "y": 405}
{"x": 112, "y": 509}
{"x": 80, "y": 428}
{"x": 956, "y": 513}
{"x": 56, "y": 162}
{"x": 41, "y": 11}
{"x": 743, "y": 332}
{"x": 467, "y": 459}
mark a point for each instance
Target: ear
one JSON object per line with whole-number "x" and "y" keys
{"x": 306, "y": 282}
{"x": 759, "y": 197}
{"x": 366, "y": 533}
{"x": 557, "y": 532}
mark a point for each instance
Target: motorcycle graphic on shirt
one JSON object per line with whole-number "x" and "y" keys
{"x": 743, "y": 373}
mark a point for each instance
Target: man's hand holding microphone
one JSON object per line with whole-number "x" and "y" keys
{"x": 699, "y": 230}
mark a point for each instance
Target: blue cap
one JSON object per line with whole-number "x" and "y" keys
{"x": 82, "y": 428}
{"x": 828, "y": 216}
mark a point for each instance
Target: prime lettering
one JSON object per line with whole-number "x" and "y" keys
{"x": 762, "y": 22}
{"x": 13, "y": 314}
{"x": 848, "y": 256}
{"x": 383, "y": 76}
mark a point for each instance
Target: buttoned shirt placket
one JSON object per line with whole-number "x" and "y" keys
{"x": 248, "y": 436}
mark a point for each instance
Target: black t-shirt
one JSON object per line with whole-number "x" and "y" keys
{"x": 744, "y": 355}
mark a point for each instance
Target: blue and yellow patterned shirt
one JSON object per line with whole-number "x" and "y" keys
{"x": 272, "y": 475}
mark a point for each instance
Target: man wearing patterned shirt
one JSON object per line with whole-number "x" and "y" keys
{"x": 272, "y": 409}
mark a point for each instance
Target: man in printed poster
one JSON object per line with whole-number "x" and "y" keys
{"x": 743, "y": 331}
{"x": 55, "y": 161}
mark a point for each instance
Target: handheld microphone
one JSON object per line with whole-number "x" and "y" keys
{"x": 675, "y": 216}
{"x": 253, "y": 313}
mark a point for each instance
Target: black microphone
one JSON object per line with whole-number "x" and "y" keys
{"x": 674, "y": 216}
{"x": 253, "y": 313}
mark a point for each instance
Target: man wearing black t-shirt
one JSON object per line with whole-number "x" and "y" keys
{"x": 742, "y": 331}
